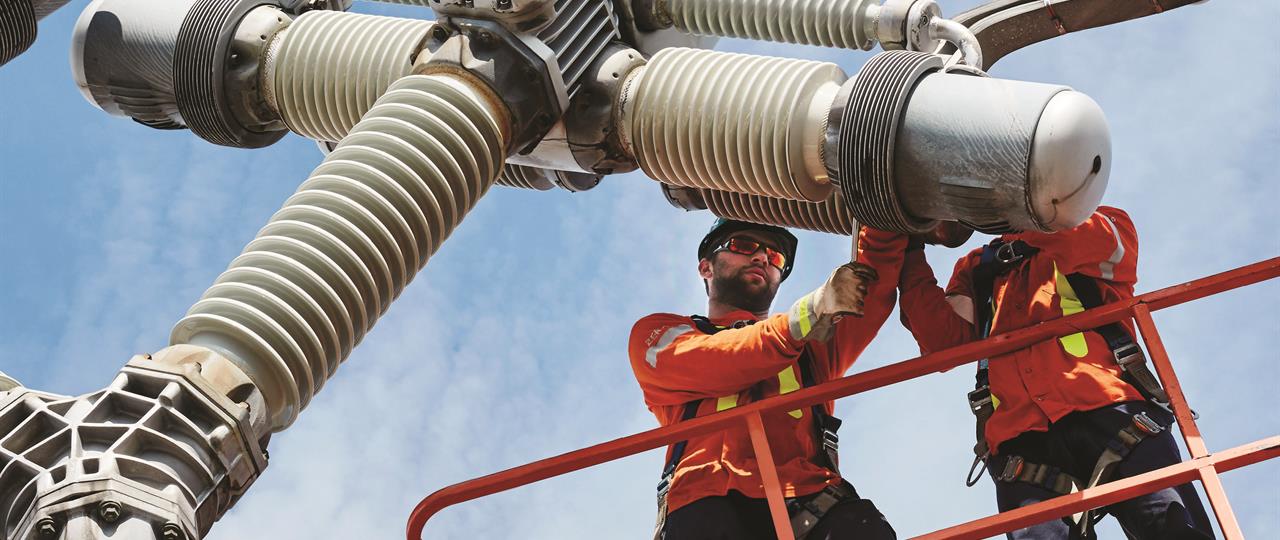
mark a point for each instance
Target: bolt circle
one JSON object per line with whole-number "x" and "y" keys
{"x": 439, "y": 33}
{"x": 109, "y": 511}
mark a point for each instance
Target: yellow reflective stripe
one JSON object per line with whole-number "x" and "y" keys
{"x": 787, "y": 383}
{"x": 1074, "y": 344}
{"x": 726, "y": 402}
{"x": 805, "y": 325}
{"x": 995, "y": 402}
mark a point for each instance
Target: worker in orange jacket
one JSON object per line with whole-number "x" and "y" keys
{"x": 694, "y": 366}
{"x": 1062, "y": 413}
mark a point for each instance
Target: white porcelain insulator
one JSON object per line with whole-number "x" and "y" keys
{"x": 828, "y": 23}
{"x": 327, "y": 68}
{"x": 735, "y": 122}
{"x": 829, "y": 216}
{"x": 305, "y": 291}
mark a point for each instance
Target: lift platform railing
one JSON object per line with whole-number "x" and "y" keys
{"x": 1203, "y": 465}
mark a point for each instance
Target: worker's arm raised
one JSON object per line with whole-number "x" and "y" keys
{"x": 676, "y": 363}
{"x": 938, "y": 319}
{"x": 881, "y": 251}
{"x": 1104, "y": 246}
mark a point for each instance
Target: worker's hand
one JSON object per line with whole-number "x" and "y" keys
{"x": 815, "y": 315}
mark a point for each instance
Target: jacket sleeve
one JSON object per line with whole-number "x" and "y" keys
{"x": 881, "y": 250}
{"x": 938, "y": 319}
{"x": 675, "y": 363}
{"x": 1104, "y": 246}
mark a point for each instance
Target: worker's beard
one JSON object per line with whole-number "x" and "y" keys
{"x": 739, "y": 291}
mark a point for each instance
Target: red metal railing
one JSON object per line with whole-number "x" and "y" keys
{"x": 1202, "y": 465}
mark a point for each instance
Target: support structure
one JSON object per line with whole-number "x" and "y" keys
{"x": 1203, "y": 465}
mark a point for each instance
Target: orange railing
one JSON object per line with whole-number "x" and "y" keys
{"x": 1202, "y": 465}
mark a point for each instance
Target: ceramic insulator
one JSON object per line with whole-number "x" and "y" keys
{"x": 327, "y": 69}
{"x": 829, "y": 23}
{"x": 735, "y": 122}
{"x": 290, "y": 308}
{"x": 829, "y": 216}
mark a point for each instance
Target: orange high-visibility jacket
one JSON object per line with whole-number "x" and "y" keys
{"x": 675, "y": 364}
{"x": 1035, "y": 386}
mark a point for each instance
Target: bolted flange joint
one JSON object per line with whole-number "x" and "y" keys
{"x": 519, "y": 68}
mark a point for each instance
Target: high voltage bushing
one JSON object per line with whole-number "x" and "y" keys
{"x": 911, "y": 144}
{"x": 750, "y": 124}
{"x": 914, "y": 25}
{"x": 908, "y": 143}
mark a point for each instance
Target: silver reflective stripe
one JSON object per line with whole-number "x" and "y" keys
{"x": 1107, "y": 268}
{"x": 651, "y": 355}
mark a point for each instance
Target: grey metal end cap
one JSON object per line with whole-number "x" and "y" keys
{"x": 1070, "y": 161}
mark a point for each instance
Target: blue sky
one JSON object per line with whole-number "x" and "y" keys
{"x": 510, "y": 346}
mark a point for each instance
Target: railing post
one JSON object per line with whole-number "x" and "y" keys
{"x": 769, "y": 474}
{"x": 1187, "y": 423}
{"x": 1160, "y": 359}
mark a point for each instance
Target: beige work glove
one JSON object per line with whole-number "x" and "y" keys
{"x": 814, "y": 316}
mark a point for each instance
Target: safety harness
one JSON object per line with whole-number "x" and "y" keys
{"x": 997, "y": 258}
{"x": 805, "y": 511}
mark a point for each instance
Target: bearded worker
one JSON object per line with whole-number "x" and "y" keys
{"x": 737, "y": 354}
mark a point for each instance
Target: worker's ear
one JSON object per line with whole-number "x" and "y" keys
{"x": 704, "y": 269}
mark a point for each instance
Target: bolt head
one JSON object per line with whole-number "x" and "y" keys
{"x": 171, "y": 531}
{"x": 109, "y": 511}
{"x": 439, "y": 33}
{"x": 47, "y": 528}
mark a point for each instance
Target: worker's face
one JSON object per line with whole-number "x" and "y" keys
{"x": 744, "y": 281}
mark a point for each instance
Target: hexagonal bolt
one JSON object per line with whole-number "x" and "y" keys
{"x": 109, "y": 511}
{"x": 171, "y": 531}
{"x": 47, "y": 528}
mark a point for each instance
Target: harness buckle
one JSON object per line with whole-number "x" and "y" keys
{"x": 979, "y": 399}
{"x": 664, "y": 486}
{"x": 1146, "y": 424}
{"x": 1128, "y": 354}
{"x": 1006, "y": 254}
{"x": 830, "y": 441}
{"x": 1012, "y": 468}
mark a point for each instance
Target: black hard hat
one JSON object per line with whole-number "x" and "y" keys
{"x": 724, "y": 228}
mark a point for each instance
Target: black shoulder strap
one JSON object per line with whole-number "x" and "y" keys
{"x": 1090, "y": 297}
{"x": 825, "y": 425}
{"x": 705, "y": 326}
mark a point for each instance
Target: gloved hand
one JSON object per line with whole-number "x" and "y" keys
{"x": 814, "y": 316}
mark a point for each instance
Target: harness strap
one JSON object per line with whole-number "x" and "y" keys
{"x": 824, "y": 424}
{"x": 1128, "y": 355}
{"x": 1018, "y": 469}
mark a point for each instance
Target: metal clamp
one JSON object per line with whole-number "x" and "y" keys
{"x": 1012, "y": 468}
